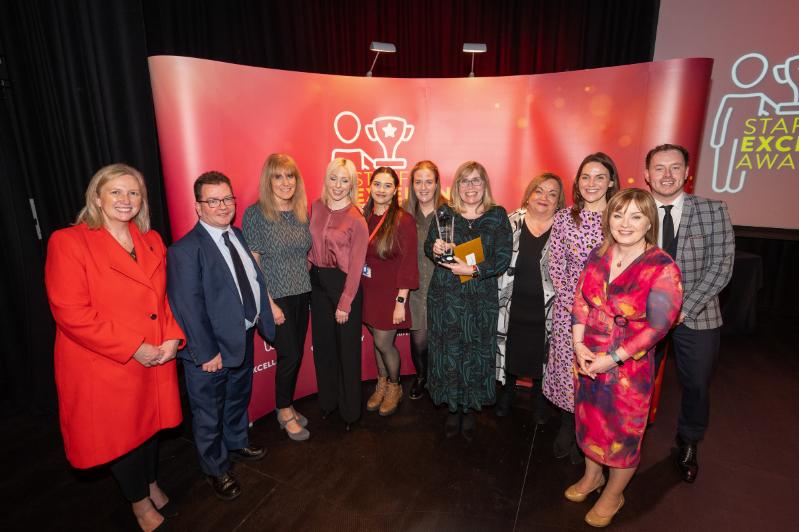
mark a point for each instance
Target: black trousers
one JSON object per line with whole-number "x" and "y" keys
{"x": 336, "y": 347}
{"x": 136, "y": 470}
{"x": 290, "y": 345}
{"x": 695, "y": 354}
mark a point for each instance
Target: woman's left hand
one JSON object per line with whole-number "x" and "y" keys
{"x": 168, "y": 349}
{"x": 459, "y": 267}
{"x": 399, "y": 313}
{"x": 601, "y": 364}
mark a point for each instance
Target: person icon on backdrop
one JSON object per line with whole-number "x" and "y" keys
{"x": 698, "y": 234}
{"x": 218, "y": 295}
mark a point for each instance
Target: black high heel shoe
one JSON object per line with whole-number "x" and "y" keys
{"x": 453, "y": 424}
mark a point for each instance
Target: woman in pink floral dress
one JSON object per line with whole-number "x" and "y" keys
{"x": 576, "y": 231}
{"x": 627, "y": 299}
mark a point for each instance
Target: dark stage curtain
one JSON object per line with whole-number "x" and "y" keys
{"x": 332, "y": 37}
{"x": 79, "y": 97}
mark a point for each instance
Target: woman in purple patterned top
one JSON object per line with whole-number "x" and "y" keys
{"x": 576, "y": 231}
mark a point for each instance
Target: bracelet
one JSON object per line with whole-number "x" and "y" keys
{"x": 475, "y": 270}
{"x": 613, "y": 355}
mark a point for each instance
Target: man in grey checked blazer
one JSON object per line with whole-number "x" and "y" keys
{"x": 703, "y": 245}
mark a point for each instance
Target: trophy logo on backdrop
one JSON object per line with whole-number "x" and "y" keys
{"x": 751, "y": 130}
{"x": 387, "y": 132}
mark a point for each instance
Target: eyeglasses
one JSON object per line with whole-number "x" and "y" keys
{"x": 214, "y": 202}
{"x": 475, "y": 182}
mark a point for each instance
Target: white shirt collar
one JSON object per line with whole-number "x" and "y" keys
{"x": 677, "y": 203}
{"x": 215, "y": 232}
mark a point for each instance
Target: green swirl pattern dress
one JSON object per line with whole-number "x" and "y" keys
{"x": 462, "y": 318}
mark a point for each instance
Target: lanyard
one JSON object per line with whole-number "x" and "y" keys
{"x": 377, "y": 228}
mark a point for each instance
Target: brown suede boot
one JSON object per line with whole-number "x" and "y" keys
{"x": 392, "y": 399}
{"x": 379, "y": 394}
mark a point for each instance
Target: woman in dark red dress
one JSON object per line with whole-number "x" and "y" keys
{"x": 627, "y": 299}
{"x": 391, "y": 271}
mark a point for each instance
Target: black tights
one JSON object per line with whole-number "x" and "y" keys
{"x": 419, "y": 352}
{"x": 386, "y": 353}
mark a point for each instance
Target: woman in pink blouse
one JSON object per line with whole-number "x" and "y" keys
{"x": 339, "y": 239}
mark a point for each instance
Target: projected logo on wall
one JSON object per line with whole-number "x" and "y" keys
{"x": 753, "y": 131}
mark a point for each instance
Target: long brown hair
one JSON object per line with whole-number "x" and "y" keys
{"x": 613, "y": 176}
{"x": 412, "y": 203}
{"x": 620, "y": 203}
{"x": 387, "y": 234}
{"x": 274, "y": 165}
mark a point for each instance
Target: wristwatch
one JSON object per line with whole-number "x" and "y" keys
{"x": 475, "y": 271}
{"x": 400, "y": 299}
{"x": 616, "y": 359}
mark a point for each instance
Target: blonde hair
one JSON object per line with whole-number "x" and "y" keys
{"x": 349, "y": 166}
{"x": 537, "y": 180}
{"x": 92, "y": 215}
{"x": 487, "y": 201}
{"x": 412, "y": 203}
{"x": 619, "y": 203}
{"x": 273, "y": 166}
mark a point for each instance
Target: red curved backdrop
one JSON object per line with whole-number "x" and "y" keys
{"x": 225, "y": 117}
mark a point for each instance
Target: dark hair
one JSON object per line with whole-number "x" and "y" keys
{"x": 536, "y": 181}
{"x": 666, "y": 147}
{"x": 209, "y": 178}
{"x": 387, "y": 234}
{"x": 613, "y": 176}
{"x": 412, "y": 203}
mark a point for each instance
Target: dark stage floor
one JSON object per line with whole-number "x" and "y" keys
{"x": 400, "y": 473}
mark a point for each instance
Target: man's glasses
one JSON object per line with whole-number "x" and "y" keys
{"x": 214, "y": 202}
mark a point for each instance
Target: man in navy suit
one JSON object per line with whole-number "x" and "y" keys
{"x": 218, "y": 295}
{"x": 698, "y": 234}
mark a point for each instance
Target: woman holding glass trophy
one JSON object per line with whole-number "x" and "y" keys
{"x": 471, "y": 243}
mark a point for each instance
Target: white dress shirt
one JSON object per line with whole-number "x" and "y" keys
{"x": 676, "y": 215}
{"x": 249, "y": 267}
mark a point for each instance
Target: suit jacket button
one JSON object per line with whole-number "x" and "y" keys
{"x": 153, "y": 316}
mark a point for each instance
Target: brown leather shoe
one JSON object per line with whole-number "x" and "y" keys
{"x": 392, "y": 399}
{"x": 377, "y": 397}
{"x": 226, "y": 487}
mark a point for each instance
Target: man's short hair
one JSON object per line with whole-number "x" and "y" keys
{"x": 209, "y": 178}
{"x": 666, "y": 147}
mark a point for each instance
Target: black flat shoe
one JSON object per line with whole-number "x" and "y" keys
{"x": 453, "y": 425}
{"x": 327, "y": 413}
{"x": 226, "y": 487}
{"x": 686, "y": 460}
{"x": 468, "y": 427}
{"x": 349, "y": 426}
{"x": 250, "y": 454}
{"x": 417, "y": 388}
{"x": 169, "y": 510}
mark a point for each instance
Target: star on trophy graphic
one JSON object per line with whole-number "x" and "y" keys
{"x": 390, "y": 132}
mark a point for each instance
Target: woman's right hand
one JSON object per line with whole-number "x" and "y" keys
{"x": 147, "y": 355}
{"x": 342, "y": 317}
{"x": 584, "y": 358}
{"x": 440, "y": 247}
{"x": 277, "y": 315}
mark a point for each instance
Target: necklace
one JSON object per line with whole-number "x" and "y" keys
{"x": 618, "y": 264}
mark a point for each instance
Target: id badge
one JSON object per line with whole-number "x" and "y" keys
{"x": 367, "y": 271}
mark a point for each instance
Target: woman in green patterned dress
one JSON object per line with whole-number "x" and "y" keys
{"x": 462, "y": 317}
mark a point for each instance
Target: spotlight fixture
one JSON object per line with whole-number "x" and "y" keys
{"x": 378, "y": 48}
{"x": 474, "y": 48}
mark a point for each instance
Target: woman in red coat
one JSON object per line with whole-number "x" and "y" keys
{"x": 116, "y": 338}
{"x": 391, "y": 271}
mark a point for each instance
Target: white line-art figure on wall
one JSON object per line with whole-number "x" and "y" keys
{"x": 788, "y": 74}
{"x": 387, "y": 131}
{"x": 362, "y": 160}
{"x": 726, "y": 145}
